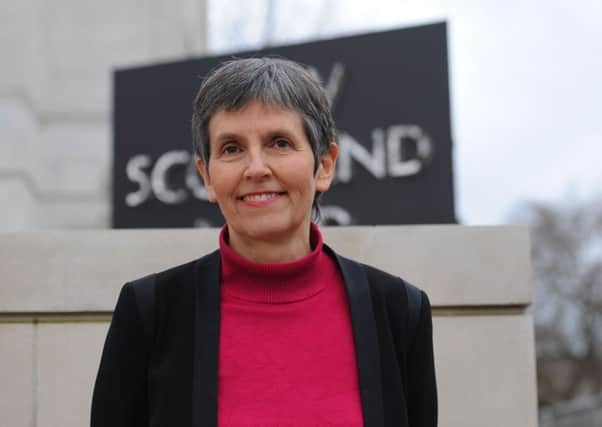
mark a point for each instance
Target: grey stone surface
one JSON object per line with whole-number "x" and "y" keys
{"x": 70, "y": 155}
{"x": 17, "y": 381}
{"x": 457, "y": 265}
{"x": 83, "y": 270}
{"x": 79, "y": 43}
{"x": 486, "y": 370}
{"x": 17, "y": 23}
{"x": 55, "y": 98}
{"x": 68, "y": 357}
{"x": 18, "y": 208}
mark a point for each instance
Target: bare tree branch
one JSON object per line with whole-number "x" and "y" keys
{"x": 567, "y": 272}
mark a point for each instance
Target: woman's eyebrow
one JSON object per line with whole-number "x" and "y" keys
{"x": 279, "y": 132}
{"x": 270, "y": 133}
{"x": 226, "y": 136}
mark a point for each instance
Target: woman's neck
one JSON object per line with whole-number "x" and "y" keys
{"x": 271, "y": 251}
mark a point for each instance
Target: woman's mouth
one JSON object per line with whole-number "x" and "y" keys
{"x": 261, "y": 198}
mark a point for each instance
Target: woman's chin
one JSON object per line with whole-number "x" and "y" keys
{"x": 271, "y": 229}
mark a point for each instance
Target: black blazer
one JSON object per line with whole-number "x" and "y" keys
{"x": 168, "y": 376}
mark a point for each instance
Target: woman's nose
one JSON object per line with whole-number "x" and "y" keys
{"x": 257, "y": 167}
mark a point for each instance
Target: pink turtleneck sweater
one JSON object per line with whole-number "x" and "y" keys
{"x": 286, "y": 353}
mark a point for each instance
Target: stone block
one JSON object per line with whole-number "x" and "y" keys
{"x": 84, "y": 270}
{"x": 17, "y": 375}
{"x": 55, "y": 92}
{"x": 18, "y": 207}
{"x": 87, "y": 212}
{"x": 486, "y": 370}
{"x": 458, "y": 266}
{"x": 67, "y": 362}
{"x": 17, "y": 26}
{"x": 84, "y": 41}
{"x": 75, "y": 160}
{"x": 19, "y": 131}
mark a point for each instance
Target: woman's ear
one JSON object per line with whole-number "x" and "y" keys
{"x": 327, "y": 168}
{"x": 200, "y": 166}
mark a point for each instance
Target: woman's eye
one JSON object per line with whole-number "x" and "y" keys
{"x": 230, "y": 149}
{"x": 282, "y": 143}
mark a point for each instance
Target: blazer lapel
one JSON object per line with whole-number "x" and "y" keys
{"x": 365, "y": 337}
{"x": 206, "y": 341}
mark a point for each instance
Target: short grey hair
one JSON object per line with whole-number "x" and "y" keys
{"x": 276, "y": 81}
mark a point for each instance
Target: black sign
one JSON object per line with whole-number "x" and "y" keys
{"x": 390, "y": 102}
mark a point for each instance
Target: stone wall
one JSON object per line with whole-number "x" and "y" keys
{"x": 55, "y": 98}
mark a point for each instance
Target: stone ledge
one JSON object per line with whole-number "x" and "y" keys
{"x": 83, "y": 271}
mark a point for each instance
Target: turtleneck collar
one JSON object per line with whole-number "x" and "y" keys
{"x": 272, "y": 283}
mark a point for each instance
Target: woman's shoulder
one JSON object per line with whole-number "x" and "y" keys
{"x": 168, "y": 291}
{"x": 389, "y": 292}
{"x": 184, "y": 271}
{"x": 395, "y": 290}
{"x": 380, "y": 281}
{"x": 176, "y": 278}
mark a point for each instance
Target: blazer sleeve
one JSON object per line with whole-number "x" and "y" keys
{"x": 119, "y": 397}
{"x": 422, "y": 387}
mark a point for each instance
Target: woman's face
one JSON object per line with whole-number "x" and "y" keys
{"x": 261, "y": 172}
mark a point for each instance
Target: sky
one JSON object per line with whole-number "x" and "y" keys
{"x": 525, "y": 86}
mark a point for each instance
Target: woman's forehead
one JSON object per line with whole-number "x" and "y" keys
{"x": 258, "y": 104}
{"x": 254, "y": 116}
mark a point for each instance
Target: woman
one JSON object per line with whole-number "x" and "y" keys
{"x": 274, "y": 328}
